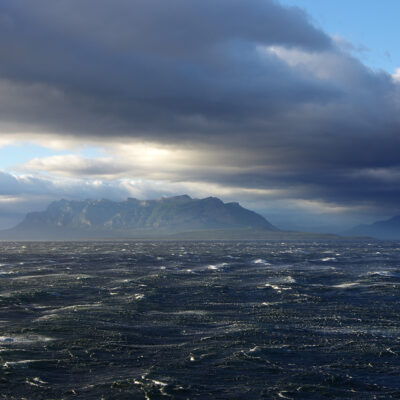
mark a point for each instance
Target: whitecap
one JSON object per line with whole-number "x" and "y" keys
{"x": 190, "y": 312}
{"x": 189, "y": 271}
{"x": 346, "y": 285}
{"x": 36, "y": 382}
{"x": 4, "y": 340}
{"x": 216, "y": 267}
{"x": 267, "y": 304}
{"x": 277, "y": 288}
{"x": 18, "y": 364}
{"x": 260, "y": 261}
{"x": 159, "y": 383}
{"x": 290, "y": 279}
{"x": 46, "y": 317}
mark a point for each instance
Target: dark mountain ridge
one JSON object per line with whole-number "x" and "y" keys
{"x": 387, "y": 230}
{"x": 68, "y": 219}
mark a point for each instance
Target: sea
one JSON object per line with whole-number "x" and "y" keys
{"x": 200, "y": 320}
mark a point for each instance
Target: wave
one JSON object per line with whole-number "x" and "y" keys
{"x": 389, "y": 274}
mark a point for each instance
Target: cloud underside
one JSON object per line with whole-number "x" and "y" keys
{"x": 231, "y": 94}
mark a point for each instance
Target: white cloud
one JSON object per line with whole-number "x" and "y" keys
{"x": 72, "y": 165}
{"x": 396, "y": 75}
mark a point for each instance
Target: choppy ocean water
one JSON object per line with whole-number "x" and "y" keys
{"x": 262, "y": 320}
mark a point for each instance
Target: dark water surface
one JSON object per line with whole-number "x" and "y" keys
{"x": 200, "y": 320}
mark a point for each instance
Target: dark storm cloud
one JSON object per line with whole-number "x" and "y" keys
{"x": 154, "y": 66}
{"x": 233, "y": 74}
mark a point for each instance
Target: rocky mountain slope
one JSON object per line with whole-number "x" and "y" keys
{"x": 387, "y": 230}
{"x": 133, "y": 217}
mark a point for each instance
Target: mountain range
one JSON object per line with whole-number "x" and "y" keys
{"x": 171, "y": 218}
{"x": 386, "y": 230}
{"x": 133, "y": 218}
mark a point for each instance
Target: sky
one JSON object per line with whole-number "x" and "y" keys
{"x": 290, "y": 107}
{"x": 370, "y": 26}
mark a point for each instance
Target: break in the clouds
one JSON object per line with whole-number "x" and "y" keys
{"x": 245, "y": 98}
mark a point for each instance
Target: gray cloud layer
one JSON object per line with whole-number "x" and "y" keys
{"x": 154, "y": 67}
{"x": 249, "y": 76}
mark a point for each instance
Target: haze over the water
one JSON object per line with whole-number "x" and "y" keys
{"x": 288, "y": 107}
